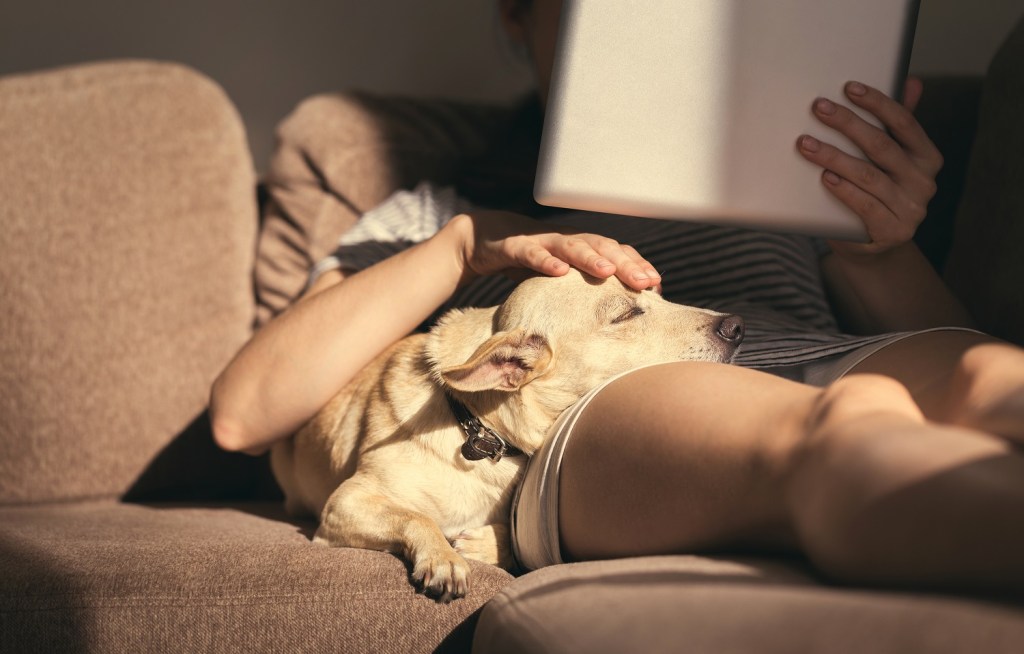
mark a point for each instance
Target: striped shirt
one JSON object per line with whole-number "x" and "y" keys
{"x": 772, "y": 280}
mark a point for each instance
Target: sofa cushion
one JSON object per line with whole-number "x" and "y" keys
{"x": 697, "y": 604}
{"x": 109, "y": 577}
{"x": 129, "y": 225}
{"x": 340, "y": 154}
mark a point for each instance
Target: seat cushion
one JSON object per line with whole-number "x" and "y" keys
{"x": 698, "y": 604}
{"x": 129, "y": 224}
{"x": 109, "y": 577}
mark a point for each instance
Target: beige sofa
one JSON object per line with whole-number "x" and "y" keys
{"x": 136, "y": 257}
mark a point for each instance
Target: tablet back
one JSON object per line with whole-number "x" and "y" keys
{"x": 690, "y": 109}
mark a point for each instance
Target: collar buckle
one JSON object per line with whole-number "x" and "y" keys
{"x": 482, "y": 442}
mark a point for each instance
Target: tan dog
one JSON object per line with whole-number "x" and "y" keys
{"x": 383, "y": 464}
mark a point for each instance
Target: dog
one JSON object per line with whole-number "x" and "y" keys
{"x": 420, "y": 454}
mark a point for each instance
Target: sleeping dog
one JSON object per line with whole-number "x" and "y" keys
{"x": 421, "y": 452}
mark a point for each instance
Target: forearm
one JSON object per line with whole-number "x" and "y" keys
{"x": 897, "y": 290}
{"x": 297, "y": 363}
{"x": 294, "y": 365}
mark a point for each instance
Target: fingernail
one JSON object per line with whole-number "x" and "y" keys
{"x": 653, "y": 274}
{"x": 821, "y": 105}
{"x": 809, "y": 143}
{"x": 640, "y": 276}
{"x": 831, "y": 177}
{"x": 603, "y": 263}
{"x": 856, "y": 88}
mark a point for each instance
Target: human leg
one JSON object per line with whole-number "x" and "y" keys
{"x": 680, "y": 458}
{"x": 958, "y": 377}
{"x": 696, "y": 457}
{"x": 877, "y": 498}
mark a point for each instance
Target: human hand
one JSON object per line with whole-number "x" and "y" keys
{"x": 890, "y": 191}
{"x": 503, "y": 242}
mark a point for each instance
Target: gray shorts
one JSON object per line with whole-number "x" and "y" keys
{"x": 534, "y": 519}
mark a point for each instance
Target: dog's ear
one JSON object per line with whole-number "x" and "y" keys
{"x": 505, "y": 362}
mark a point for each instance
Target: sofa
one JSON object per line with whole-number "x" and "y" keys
{"x": 139, "y": 250}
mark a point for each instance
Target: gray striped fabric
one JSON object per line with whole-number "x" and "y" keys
{"x": 772, "y": 280}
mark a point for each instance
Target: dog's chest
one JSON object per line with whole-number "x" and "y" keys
{"x": 430, "y": 476}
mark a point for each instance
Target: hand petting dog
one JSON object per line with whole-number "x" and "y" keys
{"x": 420, "y": 454}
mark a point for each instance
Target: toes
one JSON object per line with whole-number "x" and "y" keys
{"x": 443, "y": 578}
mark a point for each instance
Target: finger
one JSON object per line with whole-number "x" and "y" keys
{"x": 856, "y": 171}
{"x": 578, "y": 252}
{"x": 632, "y": 253}
{"x": 878, "y": 146}
{"x": 631, "y": 268}
{"x": 885, "y": 229}
{"x": 528, "y": 253}
{"x": 901, "y": 124}
{"x": 599, "y": 256}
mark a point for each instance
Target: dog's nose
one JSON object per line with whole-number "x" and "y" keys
{"x": 730, "y": 329}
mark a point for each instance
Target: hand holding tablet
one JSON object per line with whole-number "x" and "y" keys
{"x": 691, "y": 111}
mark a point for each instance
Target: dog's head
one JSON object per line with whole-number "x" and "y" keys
{"x": 561, "y": 336}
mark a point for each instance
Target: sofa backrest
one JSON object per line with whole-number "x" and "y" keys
{"x": 127, "y": 233}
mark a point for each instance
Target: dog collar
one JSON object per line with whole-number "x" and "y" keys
{"x": 482, "y": 442}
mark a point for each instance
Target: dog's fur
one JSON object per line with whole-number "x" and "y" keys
{"x": 381, "y": 464}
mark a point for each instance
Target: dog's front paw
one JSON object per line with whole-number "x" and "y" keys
{"x": 489, "y": 544}
{"x": 441, "y": 574}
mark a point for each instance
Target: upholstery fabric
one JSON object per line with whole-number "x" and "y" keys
{"x": 985, "y": 266}
{"x": 695, "y": 604}
{"x": 126, "y": 278}
{"x": 126, "y": 249}
{"x": 338, "y": 155}
{"x": 109, "y": 577}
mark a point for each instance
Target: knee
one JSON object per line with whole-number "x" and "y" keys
{"x": 855, "y": 396}
{"x": 984, "y": 376}
{"x": 832, "y": 473}
{"x": 977, "y": 364}
{"x": 991, "y": 365}
{"x": 838, "y": 426}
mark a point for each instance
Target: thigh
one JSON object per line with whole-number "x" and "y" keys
{"x": 681, "y": 457}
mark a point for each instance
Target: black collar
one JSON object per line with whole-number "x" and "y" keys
{"x": 482, "y": 442}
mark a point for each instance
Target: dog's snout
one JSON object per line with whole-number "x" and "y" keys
{"x": 730, "y": 329}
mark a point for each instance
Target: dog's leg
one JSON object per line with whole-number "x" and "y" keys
{"x": 489, "y": 544}
{"x": 356, "y": 516}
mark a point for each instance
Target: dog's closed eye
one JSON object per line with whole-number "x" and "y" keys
{"x": 633, "y": 312}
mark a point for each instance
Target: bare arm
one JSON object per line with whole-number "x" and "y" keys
{"x": 297, "y": 363}
{"x": 894, "y": 291}
{"x": 886, "y": 284}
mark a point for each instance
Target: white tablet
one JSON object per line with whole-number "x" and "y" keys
{"x": 690, "y": 109}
